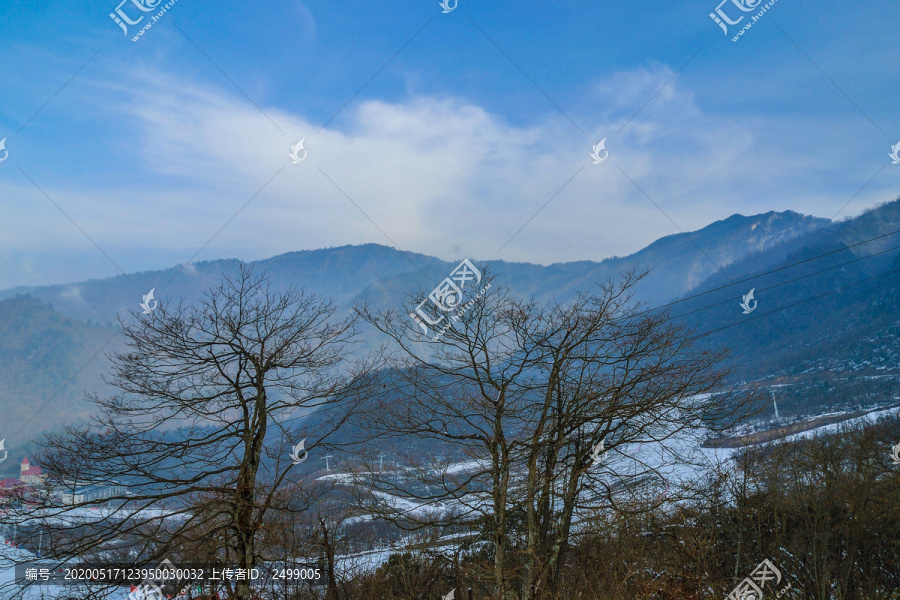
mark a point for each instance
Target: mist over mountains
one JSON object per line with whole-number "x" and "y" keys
{"x": 827, "y": 317}
{"x": 825, "y": 330}
{"x": 679, "y": 263}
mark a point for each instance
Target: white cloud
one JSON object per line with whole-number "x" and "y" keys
{"x": 71, "y": 293}
{"x": 439, "y": 176}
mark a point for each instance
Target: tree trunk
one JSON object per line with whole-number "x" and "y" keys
{"x": 331, "y": 592}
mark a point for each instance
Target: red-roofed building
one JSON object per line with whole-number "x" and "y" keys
{"x": 30, "y": 474}
{"x": 11, "y": 490}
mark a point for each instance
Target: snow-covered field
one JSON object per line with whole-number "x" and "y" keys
{"x": 869, "y": 418}
{"x": 678, "y": 461}
{"x": 10, "y": 589}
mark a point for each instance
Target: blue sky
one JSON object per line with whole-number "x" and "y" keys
{"x": 460, "y": 127}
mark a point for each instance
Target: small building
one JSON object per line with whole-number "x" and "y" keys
{"x": 70, "y": 493}
{"x": 79, "y": 492}
{"x": 9, "y": 489}
{"x": 30, "y": 474}
{"x": 13, "y": 491}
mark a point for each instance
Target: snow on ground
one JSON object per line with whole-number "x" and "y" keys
{"x": 369, "y": 560}
{"x": 77, "y": 515}
{"x": 349, "y": 565}
{"x": 679, "y": 460}
{"x": 868, "y": 419}
{"x": 466, "y": 466}
{"x": 410, "y": 508}
{"x": 338, "y": 477}
{"x": 452, "y": 469}
{"x": 9, "y": 589}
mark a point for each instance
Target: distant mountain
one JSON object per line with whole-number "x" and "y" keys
{"x": 827, "y": 320}
{"x": 53, "y": 334}
{"x": 48, "y": 362}
{"x": 679, "y": 263}
{"x": 336, "y": 272}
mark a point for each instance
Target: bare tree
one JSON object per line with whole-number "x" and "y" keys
{"x": 522, "y": 394}
{"x": 213, "y": 397}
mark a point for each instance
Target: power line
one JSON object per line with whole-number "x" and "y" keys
{"x": 798, "y": 303}
{"x": 771, "y": 287}
{"x": 764, "y": 273}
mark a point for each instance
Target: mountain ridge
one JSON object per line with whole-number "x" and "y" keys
{"x": 82, "y": 315}
{"x": 344, "y": 272}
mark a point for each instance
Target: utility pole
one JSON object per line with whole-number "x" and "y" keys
{"x": 327, "y": 464}
{"x": 775, "y": 404}
{"x": 380, "y": 462}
